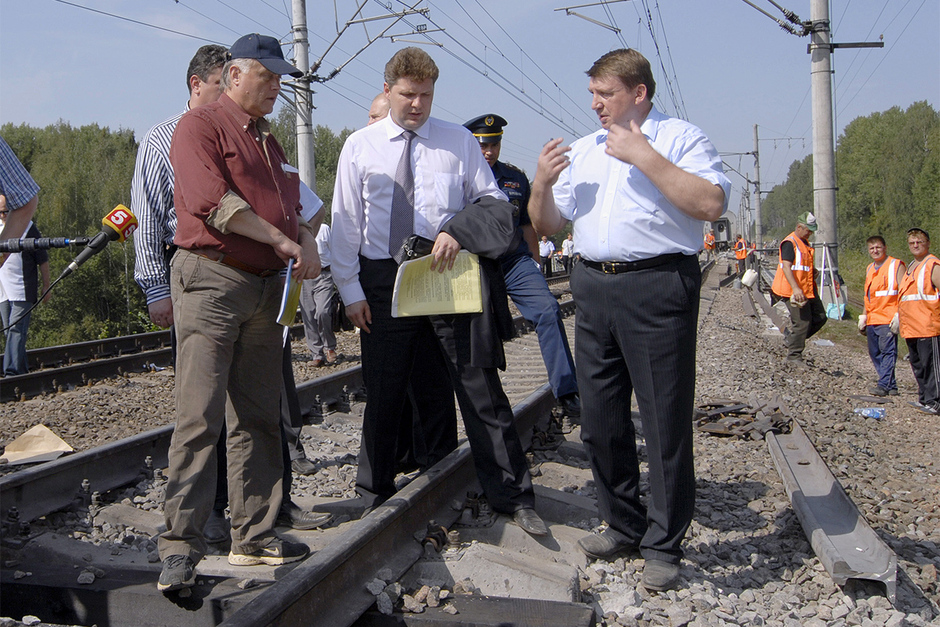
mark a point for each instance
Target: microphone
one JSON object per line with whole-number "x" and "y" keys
{"x": 117, "y": 225}
{"x": 29, "y": 244}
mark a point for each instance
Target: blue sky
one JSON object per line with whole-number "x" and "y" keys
{"x": 727, "y": 65}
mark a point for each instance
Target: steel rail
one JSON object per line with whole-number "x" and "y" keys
{"x": 841, "y": 537}
{"x": 55, "y": 356}
{"x": 23, "y": 386}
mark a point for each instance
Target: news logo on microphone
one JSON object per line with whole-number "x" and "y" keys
{"x": 122, "y": 221}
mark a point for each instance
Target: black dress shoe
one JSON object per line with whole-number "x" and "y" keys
{"x": 606, "y": 545}
{"x": 530, "y": 522}
{"x": 292, "y": 516}
{"x": 660, "y": 575}
{"x": 303, "y": 466}
{"x": 571, "y": 405}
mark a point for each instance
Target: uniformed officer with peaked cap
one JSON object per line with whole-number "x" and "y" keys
{"x": 524, "y": 281}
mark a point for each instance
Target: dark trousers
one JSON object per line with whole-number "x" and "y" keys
{"x": 546, "y": 263}
{"x": 635, "y": 334}
{"x": 883, "y": 350}
{"x": 428, "y": 429}
{"x": 805, "y": 321}
{"x": 925, "y": 362}
{"x": 389, "y": 352}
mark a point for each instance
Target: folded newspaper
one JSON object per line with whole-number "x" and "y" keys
{"x": 421, "y": 291}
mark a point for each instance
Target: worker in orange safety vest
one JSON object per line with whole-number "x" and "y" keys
{"x": 879, "y": 320}
{"x": 919, "y": 319}
{"x": 709, "y": 244}
{"x": 795, "y": 281}
{"x": 740, "y": 253}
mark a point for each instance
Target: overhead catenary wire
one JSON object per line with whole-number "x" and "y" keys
{"x": 887, "y": 52}
{"x": 141, "y": 23}
{"x": 578, "y": 111}
{"x": 506, "y": 85}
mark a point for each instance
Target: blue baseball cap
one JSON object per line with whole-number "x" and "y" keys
{"x": 266, "y": 50}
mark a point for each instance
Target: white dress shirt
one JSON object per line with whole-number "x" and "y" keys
{"x": 546, "y": 248}
{"x": 323, "y": 245}
{"x": 449, "y": 173}
{"x": 618, "y": 214}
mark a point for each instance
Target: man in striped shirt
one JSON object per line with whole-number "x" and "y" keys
{"x": 152, "y": 188}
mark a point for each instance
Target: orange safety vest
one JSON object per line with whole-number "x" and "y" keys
{"x": 919, "y": 306}
{"x": 740, "y": 249}
{"x": 802, "y": 269}
{"x": 881, "y": 291}
{"x": 709, "y": 242}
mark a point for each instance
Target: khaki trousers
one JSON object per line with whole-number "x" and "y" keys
{"x": 228, "y": 342}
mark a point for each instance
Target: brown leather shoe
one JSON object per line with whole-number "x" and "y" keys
{"x": 317, "y": 362}
{"x": 330, "y": 356}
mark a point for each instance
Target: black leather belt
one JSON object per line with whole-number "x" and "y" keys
{"x": 617, "y": 267}
{"x": 221, "y": 257}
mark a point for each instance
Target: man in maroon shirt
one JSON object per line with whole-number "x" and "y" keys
{"x": 238, "y": 211}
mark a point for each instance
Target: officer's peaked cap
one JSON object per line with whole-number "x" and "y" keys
{"x": 487, "y": 128}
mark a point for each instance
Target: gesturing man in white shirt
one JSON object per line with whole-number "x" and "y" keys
{"x": 435, "y": 168}
{"x": 637, "y": 192}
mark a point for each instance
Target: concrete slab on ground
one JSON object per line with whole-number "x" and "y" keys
{"x": 498, "y": 571}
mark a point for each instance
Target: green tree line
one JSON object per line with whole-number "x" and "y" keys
{"x": 888, "y": 179}
{"x": 83, "y": 174}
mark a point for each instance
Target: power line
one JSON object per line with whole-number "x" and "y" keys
{"x": 887, "y": 52}
{"x": 211, "y": 19}
{"x": 247, "y": 17}
{"x": 522, "y": 97}
{"x": 133, "y": 21}
{"x": 578, "y": 110}
{"x": 578, "y": 107}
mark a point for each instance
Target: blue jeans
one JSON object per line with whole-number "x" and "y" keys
{"x": 14, "y": 358}
{"x": 883, "y": 350}
{"x": 528, "y": 290}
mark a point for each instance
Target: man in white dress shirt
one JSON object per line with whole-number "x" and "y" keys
{"x": 637, "y": 191}
{"x": 447, "y": 173}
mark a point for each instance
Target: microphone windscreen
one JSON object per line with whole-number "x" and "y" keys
{"x": 121, "y": 221}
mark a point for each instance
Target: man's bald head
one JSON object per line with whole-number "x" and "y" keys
{"x": 379, "y": 108}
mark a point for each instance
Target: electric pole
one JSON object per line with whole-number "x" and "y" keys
{"x": 303, "y": 96}
{"x": 824, "y": 180}
{"x": 757, "y": 218}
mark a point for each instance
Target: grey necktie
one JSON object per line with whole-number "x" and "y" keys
{"x": 403, "y": 202}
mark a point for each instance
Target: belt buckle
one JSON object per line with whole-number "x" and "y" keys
{"x": 608, "y": 267}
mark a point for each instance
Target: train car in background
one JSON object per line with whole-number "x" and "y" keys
{"x": 724, "y": 238}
